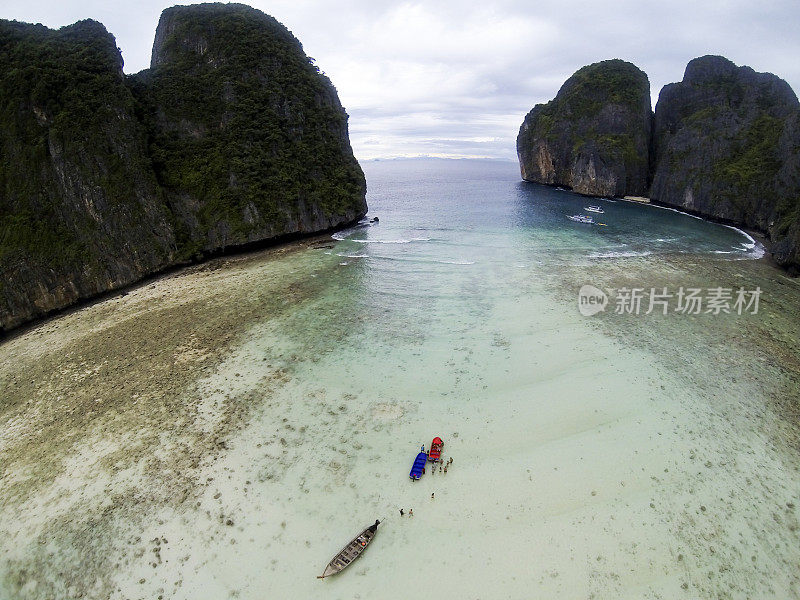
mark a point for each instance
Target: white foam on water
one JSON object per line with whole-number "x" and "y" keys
{"x": 455, "y": 262}
{"x": 623, "y": 254}
{"x": 341, "y": 236}
{"x": 755, "y": 248}
{"x": 680, "y": 212}
{"x": 752, "y": 240}
{"x": 399, "y": 241}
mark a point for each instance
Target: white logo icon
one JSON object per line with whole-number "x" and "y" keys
{"x": 591, "y": 300}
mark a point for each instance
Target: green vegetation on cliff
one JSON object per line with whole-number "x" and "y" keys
{"x": 594, "y": 86}
{"x": 594, "y": 135}
{"x": 724, "y": 142}
{"x": 727, "y": 145}
{"x": 242, "y": 123}
{"x": 754, "y": 157}
{"x": 46, "y": 109}
{"x": 232, "y": 137}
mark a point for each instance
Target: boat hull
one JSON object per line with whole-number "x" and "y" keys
{"x": 435, "y": 455}
{"x": 345, "y": 557}
{"x": 418, "y": 469}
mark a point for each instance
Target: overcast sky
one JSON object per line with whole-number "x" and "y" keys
{"x": 455, "y": 78}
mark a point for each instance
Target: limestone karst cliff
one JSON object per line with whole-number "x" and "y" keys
{"x": 248, "y": 139}
{"x": 727, "y": 145}
{"x": 231, "y": 137}
{"x": 80, "y": 209}
{"x": 594, "y": 136}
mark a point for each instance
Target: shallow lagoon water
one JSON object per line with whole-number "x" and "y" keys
{"x": 613, "y": 456}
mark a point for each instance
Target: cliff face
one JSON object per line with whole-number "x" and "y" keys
{"x": 249, "y": 140}
{"x": 726, "y": 145}
{"x": 80, "y": 211}
{"x": 594, "y": 136}
{"x": 231, "y": 137}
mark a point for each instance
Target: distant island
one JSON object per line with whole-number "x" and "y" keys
{"x": 231, "y": 138}
{"x": 723, "y": 143}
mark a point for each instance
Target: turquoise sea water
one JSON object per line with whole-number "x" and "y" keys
{"x": 458, "y": 234}
{"x": 613, "y": 456}
{"x": 473, "y": 210}
{"x": 589, "y": 454}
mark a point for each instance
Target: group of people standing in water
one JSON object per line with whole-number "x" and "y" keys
{"x": 442, "y": 469}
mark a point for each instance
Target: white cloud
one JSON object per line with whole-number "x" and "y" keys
{"x": 456, "y": 78}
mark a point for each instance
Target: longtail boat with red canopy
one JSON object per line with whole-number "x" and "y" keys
{"x": 435, "y": 454}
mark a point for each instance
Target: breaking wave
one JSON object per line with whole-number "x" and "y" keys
{"x": 620, "y": 254}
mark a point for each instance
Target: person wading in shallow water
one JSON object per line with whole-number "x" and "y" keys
{"x": 431, "y": 495}
{"x": 410, "y": 512}
{"x": 401, "y": 512}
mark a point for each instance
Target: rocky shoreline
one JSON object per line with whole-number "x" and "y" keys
{"x": 289, "y": 241}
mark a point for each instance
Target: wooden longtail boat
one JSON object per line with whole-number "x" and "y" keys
{"x": 350, "y": 552}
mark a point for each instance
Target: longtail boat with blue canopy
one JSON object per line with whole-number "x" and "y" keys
{"x": 419, "y": 466}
